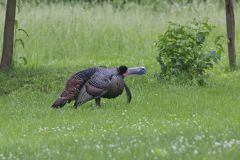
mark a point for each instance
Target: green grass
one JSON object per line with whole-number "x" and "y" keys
{"x": 164, "y": 121}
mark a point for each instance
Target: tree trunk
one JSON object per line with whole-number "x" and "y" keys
{"x": 231, "y": 33}
{"x": 8, "y": 39}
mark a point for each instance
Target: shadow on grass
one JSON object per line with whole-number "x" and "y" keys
{"x": 33, "y": 79}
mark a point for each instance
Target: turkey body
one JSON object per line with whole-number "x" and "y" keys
{"x": 92, "y": 83}
{"x": 95, "y": 83}
{"x": 116, "y": 88}
{"x": 73, "y": 87}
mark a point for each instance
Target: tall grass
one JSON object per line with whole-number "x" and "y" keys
{"x": 86, "y": 35}
{"x": 164, "y": 121}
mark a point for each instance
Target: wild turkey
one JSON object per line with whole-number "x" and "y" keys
{"x": 96, "y": 83}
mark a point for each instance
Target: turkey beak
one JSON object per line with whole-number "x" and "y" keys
{"x": 135, "y": 71}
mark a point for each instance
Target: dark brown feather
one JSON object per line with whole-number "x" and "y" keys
{"x": 73, "y": 87}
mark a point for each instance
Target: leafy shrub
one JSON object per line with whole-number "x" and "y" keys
{"x": 184, "y": 53}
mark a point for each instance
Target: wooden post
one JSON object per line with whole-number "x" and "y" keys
{"x": 231, "y": 33}
{"x": 8, "y": 39}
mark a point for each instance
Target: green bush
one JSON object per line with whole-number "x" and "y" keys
{"x": 184, "y": 53}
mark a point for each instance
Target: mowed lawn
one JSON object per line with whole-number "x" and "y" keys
{"x": 163, "y": 121}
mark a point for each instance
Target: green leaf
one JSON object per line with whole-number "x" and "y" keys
{"x": 24, "y": 60}
{"x": 24, "y": 31}
{"x": 200, "y": 37}
{"x": 16, "y": 24}
{"x": 19, "y": 40}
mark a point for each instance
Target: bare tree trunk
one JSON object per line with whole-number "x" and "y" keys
{"x": 8, "y": 38}
{"x": 231, "y": 33}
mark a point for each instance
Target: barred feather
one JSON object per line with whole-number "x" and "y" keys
{"x": 95, "y": 83}
{"x": 73, "y": 87}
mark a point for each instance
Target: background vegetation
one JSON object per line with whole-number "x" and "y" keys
{"x": 122, "y": 3}
{"x": 186, "y": 54}
{"x": 164, "y": 121}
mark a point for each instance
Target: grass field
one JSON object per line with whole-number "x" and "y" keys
{"x": 164, "y": 121}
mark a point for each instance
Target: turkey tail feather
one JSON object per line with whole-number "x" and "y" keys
{"x": 69, "y": 94}
{"x": 60, "y": 102}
